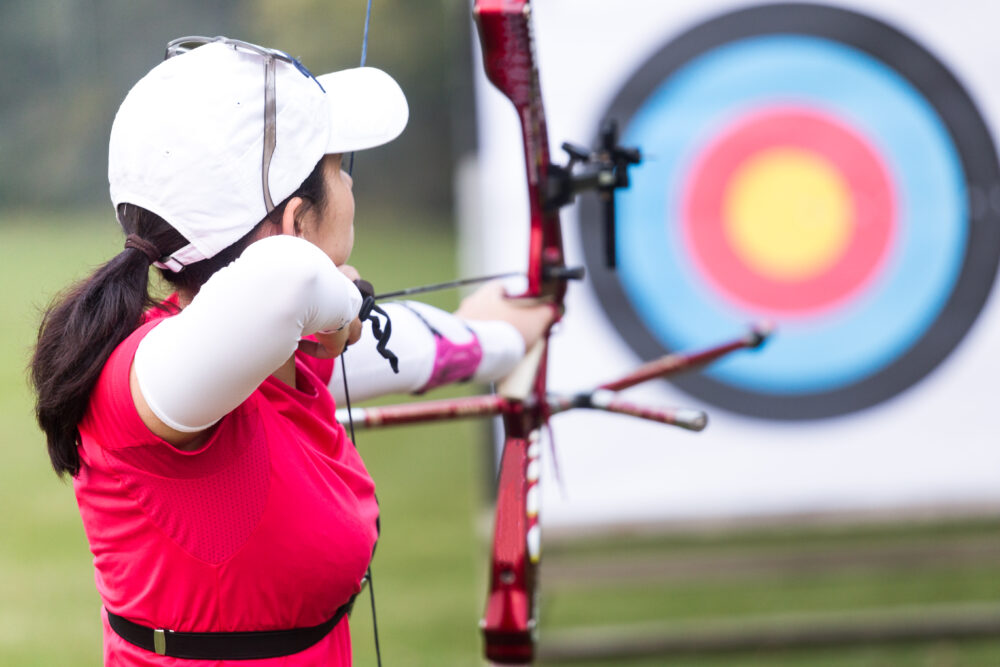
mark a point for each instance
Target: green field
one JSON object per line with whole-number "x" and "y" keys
{"x": 430, "y": 567}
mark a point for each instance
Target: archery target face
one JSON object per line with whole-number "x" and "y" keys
{"x": 810, "y": 166}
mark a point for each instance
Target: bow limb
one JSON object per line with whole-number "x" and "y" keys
{"x": 508, "y": 57}
{"x": 510, "y": 621}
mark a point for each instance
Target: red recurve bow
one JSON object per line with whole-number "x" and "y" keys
{"x": 510, "y": 621}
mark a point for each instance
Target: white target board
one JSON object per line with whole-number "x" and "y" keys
{"x": 829, "y": 168}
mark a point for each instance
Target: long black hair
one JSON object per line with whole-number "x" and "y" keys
{"x": 84, "y": 324}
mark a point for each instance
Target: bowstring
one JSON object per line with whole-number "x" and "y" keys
{"x": 368, "y": 574}
{"x": 364, "y": 59}
{"x": 343, "y": 367}
{"x": 364, "y": 41}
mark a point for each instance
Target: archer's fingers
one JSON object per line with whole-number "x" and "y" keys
{"x": 354, "y": 331}
{"x": 350, "y": 272}
{"x": 314, "y": 349}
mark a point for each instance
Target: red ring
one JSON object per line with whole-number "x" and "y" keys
{"x": 872, "y": 198}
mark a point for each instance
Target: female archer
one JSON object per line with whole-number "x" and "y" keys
{"x": 229, "y": 515}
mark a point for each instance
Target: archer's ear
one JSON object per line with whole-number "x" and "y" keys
{"x": 288, "y": 216}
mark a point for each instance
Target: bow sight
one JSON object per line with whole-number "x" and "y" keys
{"x": 604, "y": 169}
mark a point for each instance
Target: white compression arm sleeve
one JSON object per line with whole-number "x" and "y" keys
{"x": 369, "y": 374}
{"x": 245, "y": 322}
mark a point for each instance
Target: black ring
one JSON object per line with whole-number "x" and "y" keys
{"x": 972, "y": 140}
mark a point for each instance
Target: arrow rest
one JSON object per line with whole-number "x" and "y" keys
{"x": 604, "y": 169}
{"x": 554, "y": 272}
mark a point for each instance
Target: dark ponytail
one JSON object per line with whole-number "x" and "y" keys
{"x": 85, "y": 324}
{"x": 78, "y": 333}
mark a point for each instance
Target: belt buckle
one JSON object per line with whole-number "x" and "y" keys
{"x": 160, "y": 641}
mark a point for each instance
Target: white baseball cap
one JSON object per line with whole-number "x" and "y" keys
{"x": 188, "y": 143}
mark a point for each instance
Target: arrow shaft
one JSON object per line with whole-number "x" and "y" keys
{"x": 451, "y": 284}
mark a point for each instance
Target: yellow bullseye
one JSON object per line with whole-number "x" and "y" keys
{"x": 788, "y": 214}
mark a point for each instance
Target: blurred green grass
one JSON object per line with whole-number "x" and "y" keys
{"x": 781, "y": 577}
{"x": 430, "y": 568}
{"x": 46, "y": 580}
{"x": 774, "y": 571}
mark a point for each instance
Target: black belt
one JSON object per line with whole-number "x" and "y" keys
{"x": 224, "y": 645}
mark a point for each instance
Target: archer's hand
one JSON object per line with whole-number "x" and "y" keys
{"x": 332, "y": 344}
{"x": 489, "y": 302}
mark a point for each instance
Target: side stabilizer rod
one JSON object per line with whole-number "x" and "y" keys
{"x": 602, "y": 399}
{"x": 488, "y": 406}
{"x": 672, "y": 364}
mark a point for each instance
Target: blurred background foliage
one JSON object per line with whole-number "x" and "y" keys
{"x": 67, "y": 64}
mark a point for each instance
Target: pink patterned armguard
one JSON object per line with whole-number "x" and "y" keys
{"x": 453, "y": 362}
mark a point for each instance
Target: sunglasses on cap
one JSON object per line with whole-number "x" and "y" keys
{"x": 182, "y": 45}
